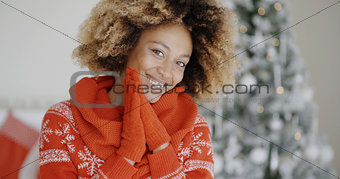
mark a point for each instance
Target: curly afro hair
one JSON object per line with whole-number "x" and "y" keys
{"x": 114, "y": 27}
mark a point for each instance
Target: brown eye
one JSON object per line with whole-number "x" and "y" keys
{"x": 182, "y": 64}
{"x": 158, "y": 52}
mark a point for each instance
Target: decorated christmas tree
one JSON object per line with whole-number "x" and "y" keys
{"x": 267, "y": 126}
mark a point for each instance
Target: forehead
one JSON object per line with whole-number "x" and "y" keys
{"x": 174, "y": 35}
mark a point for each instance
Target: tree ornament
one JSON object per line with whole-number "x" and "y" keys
{"x": 278, "y": 6}
{"x": 261, "y": 11}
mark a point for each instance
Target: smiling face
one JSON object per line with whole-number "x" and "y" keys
{"x": 161, "y": 56}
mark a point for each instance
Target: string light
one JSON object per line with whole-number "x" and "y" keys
{"x": 243, "y": 29}
{"x": 276, "y": 42}
{"x": 278, "y": 6}
{"x": 279, "y": 90}
{"x": 297, "y": 136}
{"x": 269, "y": 58}
{"x": 260, "y": 109}
{"x": 261, "y": 11}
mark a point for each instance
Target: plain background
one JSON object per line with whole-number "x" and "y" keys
{"x": 36, "y": 65}
{"x": 319, "y": 42}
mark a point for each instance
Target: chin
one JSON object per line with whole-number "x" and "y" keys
{"x": 152, "y": 98}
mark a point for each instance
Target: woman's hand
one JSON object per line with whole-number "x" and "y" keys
{"x": 130, "y": 161}
{"x": 161, "y": 147}
{"x": 155, "y": 136}
{"x": 155, "y": 132}
{"x": 133, "y": 138}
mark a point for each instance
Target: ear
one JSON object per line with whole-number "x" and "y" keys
{"x": 127, "y": 52}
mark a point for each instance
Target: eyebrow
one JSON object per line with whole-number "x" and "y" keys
{"x": 168, "y": 48}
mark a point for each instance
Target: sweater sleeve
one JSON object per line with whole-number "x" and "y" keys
{"x": 116, "y": 167}
{"x": 55, "y": 161}
{"x": 198, "y": 163}
{"x": 58, "y": 143}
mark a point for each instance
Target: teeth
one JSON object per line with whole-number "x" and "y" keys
{"x": 155, "y": 82}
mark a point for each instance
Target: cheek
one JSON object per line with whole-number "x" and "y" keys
{"x": 178, "y": 77}
{"x": 145, "y": 61}
{"x": 139, "y": 59}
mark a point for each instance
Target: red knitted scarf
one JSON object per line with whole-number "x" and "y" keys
{"x": 100, "y": 128}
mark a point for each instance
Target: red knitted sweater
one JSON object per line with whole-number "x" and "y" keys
{"x": 64, "y": 153}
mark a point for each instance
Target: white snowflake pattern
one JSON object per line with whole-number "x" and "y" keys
{"x": 200, "y": 122}
{"x": 64, "y": 132}
{"x": 90, "y": 162}
{"x": 191, "y": 165}
{"x": 177, "y": 174}
{"x": 183, "y": 152}
{"x": 67, "y": 137}
{"x": 197, "y": 143}
{"x": 53, "y": 155}
{"x": 99, "y": 175}
{"x": 45, "y": 132}
{"x": 63, "y": 109}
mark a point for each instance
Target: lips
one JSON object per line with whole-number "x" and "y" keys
{"x": 156, "y": 79}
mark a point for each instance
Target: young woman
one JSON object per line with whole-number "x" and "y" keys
{"x": 161, "y": 49}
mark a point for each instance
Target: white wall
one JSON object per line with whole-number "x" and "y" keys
{"x": 319, "y": 41}
{"x": 35, "y": 60}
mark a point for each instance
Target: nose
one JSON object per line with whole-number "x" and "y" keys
{"x": 165, "y": 70}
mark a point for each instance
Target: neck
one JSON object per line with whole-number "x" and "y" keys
{"x": 116, "y": 98}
